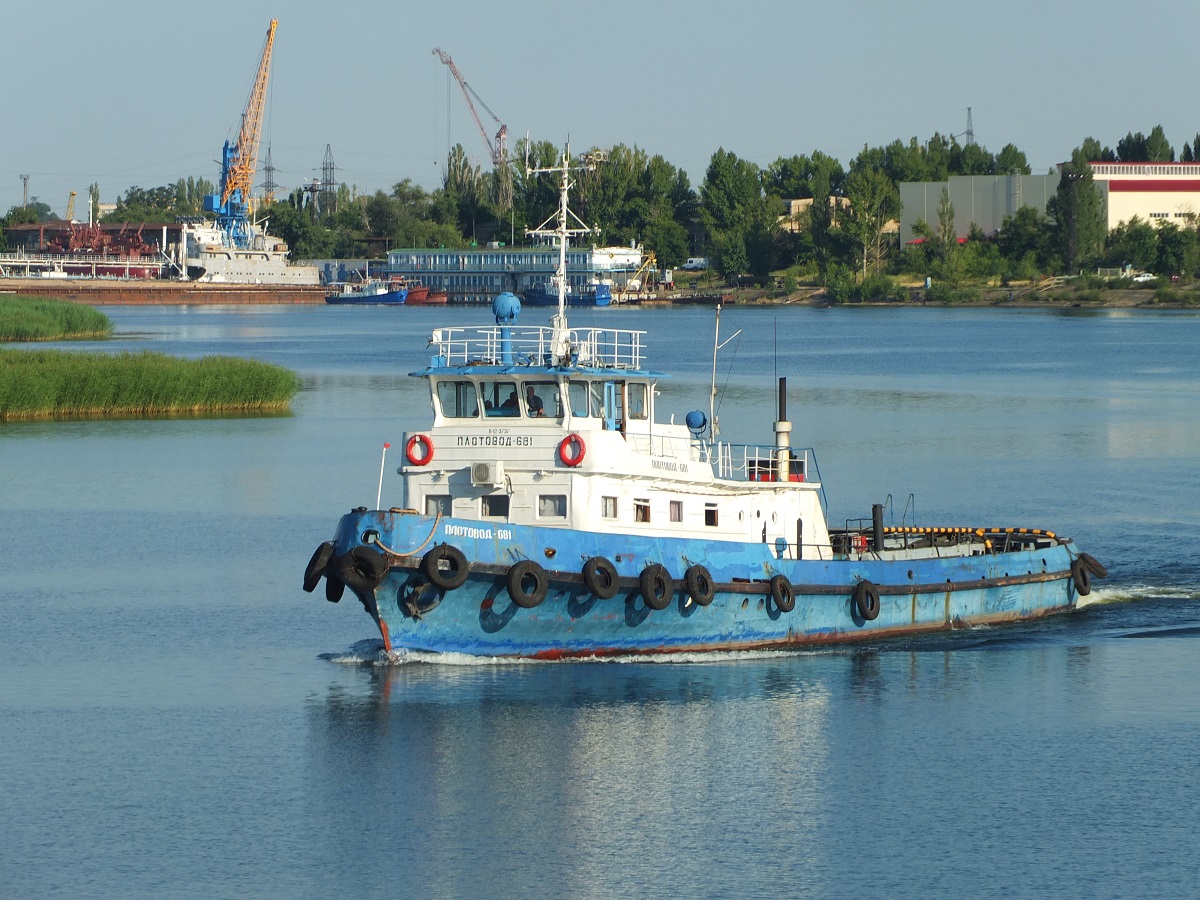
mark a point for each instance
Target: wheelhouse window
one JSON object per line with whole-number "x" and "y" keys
{"x": 585, "y": 399}
{"x": 638, "y": 407}
{"x": 458, "y": 399}
{"x": 608, "y": 507}
{"x": 500, "y": 398}
{"x": 542, "y": 399}
{"x": 495, "y": 506}
{"x": 641, "y": 510}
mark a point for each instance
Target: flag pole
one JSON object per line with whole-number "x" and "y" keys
{"x": 382, "y": 463}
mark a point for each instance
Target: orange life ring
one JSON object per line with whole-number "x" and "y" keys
{"x": 425, "y": 456}
{"x": 572, "y": 450}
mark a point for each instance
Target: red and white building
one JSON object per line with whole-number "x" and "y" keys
{"x": 1155, "y": 192}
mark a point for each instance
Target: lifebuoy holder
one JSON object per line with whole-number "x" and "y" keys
{"x": 571, "y": 450}
{"x": 419, "y": 450}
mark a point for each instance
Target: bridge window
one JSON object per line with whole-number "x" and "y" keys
{"x": 637, "y": 400}
{"x": 500, "y": 398}
{"x": 458, "y": 399}
{"x": 585, "y": 399}
{"x": 542, "y": 399}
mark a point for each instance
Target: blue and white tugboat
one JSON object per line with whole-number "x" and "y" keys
{"x": 546, "y": 512}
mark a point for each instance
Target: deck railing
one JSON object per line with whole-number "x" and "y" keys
{"x": 612, "y": 348}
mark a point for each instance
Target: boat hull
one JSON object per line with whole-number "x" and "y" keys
{"x": 480, "y": 617}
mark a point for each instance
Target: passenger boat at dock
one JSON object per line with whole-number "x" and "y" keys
{"x": 550, "y": 511}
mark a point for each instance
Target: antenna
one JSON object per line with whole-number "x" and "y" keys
{"x": 970, "y": 132}
{"x": 713, "y": 428}
{"x": 25, "y": 191}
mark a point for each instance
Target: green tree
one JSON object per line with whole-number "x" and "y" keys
{"x": 1177, "y": 250}
{"x": 1158, "y": 148}
{"x": 1011, "y": 161}
{"x": 1133, "y": 243}
{"x": 1078, "y": 212}
{"x": 731, "y": 199}
{"x": 874, "y": 201}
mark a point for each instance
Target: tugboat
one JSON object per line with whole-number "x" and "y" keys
{"x": 546, "y": 512}
{"x": 367, "y": 292}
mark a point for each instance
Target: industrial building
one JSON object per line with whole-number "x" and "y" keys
{"x": 1154, "y": 192}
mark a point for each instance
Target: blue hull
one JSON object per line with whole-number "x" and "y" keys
{"x": 599, "y": 295}
{"x": 481, "y": 618}
{"x": 391, "y": 298}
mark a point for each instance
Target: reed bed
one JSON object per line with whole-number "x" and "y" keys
{"x": 46, "y": 384}
{"x": 35, "y": 319}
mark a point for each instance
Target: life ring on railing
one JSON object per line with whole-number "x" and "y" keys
{"x": 866, "y": 598}
{"x": 571, "y": 450}
{"x": 698, "y": 581}
{"x": 782, "y": 593}
{"x": 657, "y": 586}
{"x": 1082, "y": 576}
{"x": 601, "y": 578}
{"x": 527, "y": 584}
{"x": 423, "y": 456}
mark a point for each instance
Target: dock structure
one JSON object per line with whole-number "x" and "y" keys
{"x": 159, "y": 292}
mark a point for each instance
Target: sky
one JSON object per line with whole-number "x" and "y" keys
{"x": 141, "y": 93}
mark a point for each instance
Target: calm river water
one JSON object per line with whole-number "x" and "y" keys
{"x": 177, "y": 718}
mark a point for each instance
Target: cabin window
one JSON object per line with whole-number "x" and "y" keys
{"x": 641, "y": 510}
{"x": 710, "y": 515}
{"x": 437, "y": 505}
{"x": 676, "y": 510}
{"x": 495, "y": 506}
{"x": 458, "y": 399}
{"x": 542, "y": 399}
{"x": 608, "y": 507}
{"x": 585, "y": 399}
{"x": 552, "y": 506}
{"x": 500, "y": 398}
{"x": 637, "y": 400}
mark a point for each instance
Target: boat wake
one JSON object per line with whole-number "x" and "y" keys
{"x": 1134, "y": 593}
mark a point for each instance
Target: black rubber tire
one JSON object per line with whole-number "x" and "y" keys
{"x": 362, "y": 568}
{"x": 1081, "y": 577}
{"x": 317, "y": 565}
{"x": 601, "y": 578}
{"x": 334, "y": 588}
{"x": 866, "y": 599}
{"x": 457, "y": 568}
{"x": 518, "y": 577}
{"x": 698, "y": 581}
{"x": 658, "y": 587}
{"x": 783, "y": 594}
{"x": 1093, "y": 565}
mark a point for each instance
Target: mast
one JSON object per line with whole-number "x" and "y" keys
{"x": 562, "y": 232}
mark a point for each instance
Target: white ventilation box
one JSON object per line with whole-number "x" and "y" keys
{"x": 487, "y": 473}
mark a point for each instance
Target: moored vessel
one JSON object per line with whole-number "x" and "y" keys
{"x": 551, "y": 509}
{"x": 366, "y": 293}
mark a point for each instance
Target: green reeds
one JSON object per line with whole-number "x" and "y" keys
{"x": 43, "y": 384}
{"x": 34, "y": 319}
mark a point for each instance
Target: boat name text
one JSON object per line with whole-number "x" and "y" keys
{"x": 480, "y": 534}
{"x": 494, "y": 440}
{"x": 668, "y": 465}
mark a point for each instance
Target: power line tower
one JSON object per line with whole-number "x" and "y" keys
{"x": 970, "y": 132}
{"x": 327, "y": 202}
{"x": 269, "y": 185}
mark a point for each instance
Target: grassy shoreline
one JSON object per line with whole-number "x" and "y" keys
{"x": 25, "y": 318}
{"x": 54, "y": 384}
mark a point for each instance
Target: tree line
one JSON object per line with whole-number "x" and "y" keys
{"x": 737, "y": 216}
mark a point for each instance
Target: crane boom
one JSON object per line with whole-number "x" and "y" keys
{"x": 239, "y": 160}
{"x": 245, "y": 155}
{"x": 497, "y": 148}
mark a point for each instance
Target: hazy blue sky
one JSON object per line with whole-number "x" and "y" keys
{"x": 141, "y": 93}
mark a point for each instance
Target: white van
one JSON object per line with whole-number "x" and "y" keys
{"x": 696, "y": 264}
